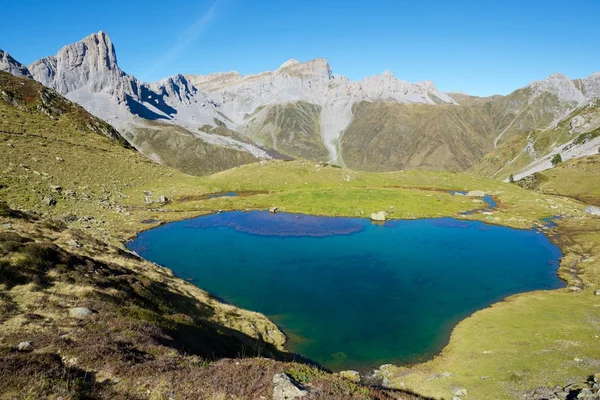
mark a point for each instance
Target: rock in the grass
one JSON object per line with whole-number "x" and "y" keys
{"x": 475, "y": 193}
{"x": 379, "y": 216}
{"x": 597, "y": 292}
{"x": 592, "y": 210}
{"x": 49, "y": 201}
{"x": 80, "y": 312}
{"x": 163, "y": 199}
{"x": 74, "y": 243}
{"x": 285, "y": 388}
{"x": 353, "y": 376}
{"x": 458, "y": 391}
{"x": 586, "y": 393}
{"x": 273, "y": 210}
{"x": 24, "y": 346}
{"x": 56, "y": 188}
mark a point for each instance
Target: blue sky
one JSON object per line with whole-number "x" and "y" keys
{"x": 480, "y": 47}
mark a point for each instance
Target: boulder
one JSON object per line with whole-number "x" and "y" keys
{"x": 273, "y": 210}
{"x": 458, "y": 391}
{"x": 49, "y": 201}
{"x": 353, "y": 376}
{"x": 24, "y": 346}
{"x": 285, "y": 388}
{"x": 163, "y": 199}
{"x": 593, "y": 210}
{"x": 475, "y": 193}
{"x": 379, "y": 216}
{"x": 80, "y": 312}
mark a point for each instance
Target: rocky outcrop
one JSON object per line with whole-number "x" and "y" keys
{"x": 285, "y": 388}
{"x": 379, "y": 216}
{"x": 12, "y": 66}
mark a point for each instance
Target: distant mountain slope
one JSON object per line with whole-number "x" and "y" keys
{"x": 303, "y": 110}
{"x": 385, "y": 136}
{"x": 87, "y": 72}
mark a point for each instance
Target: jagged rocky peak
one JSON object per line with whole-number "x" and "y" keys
{"x": 559, "y": 85}
{"x": 319, "y": 67}
{"x": 12, "y": 66}
{"x": 288, "y": 63}
{"x": 176, "y": 85}
{"x": 91, "y": 61}
{"x": 214, "y": 81}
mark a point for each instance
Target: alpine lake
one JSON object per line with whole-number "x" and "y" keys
{"x": 349, "y": 293}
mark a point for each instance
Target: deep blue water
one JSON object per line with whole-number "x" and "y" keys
{"x": 351, "y": 294}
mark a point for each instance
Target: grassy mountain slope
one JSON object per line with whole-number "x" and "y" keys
{"x": 386, "y": 136}
{"x": 523, "y": 148}
{"x": 576, "y": 178}
{"x": 292, "y": 129}
{"x": 178, "y": 148}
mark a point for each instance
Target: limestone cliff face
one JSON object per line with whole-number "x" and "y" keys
{"x": 12, "y": 66}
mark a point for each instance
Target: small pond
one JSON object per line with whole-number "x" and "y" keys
{"x": 348, "y": 293}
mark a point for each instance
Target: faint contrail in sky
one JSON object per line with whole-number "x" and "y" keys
{"x": 192, "y": 32}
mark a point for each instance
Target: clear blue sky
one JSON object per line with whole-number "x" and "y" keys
{"x": 480, "y": 47}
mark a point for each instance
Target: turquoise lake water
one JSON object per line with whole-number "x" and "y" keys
{"x": 349, "y": 293}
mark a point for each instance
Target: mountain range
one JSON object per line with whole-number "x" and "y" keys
{"x": 206, "y": 123}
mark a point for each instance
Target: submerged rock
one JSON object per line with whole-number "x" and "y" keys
{"x": 379, "y": 216}
{"x": 285, "y": 388}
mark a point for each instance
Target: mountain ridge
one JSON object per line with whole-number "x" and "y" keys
{"x": 303, "y": 110}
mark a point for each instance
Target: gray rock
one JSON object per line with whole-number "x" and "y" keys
{"x": 285, "y": 388}
{"x": 353, "y": 376}
{"x": 458, "y": 391}
{"x": 12, "y": 66}
{"x": 80, "y": 312}
{"x": 74, "y": 243}
{"x": 24, "y": 346}
{"x": 49, "y": 201}
{"x": 56, "y": 188}
{"x": 163, "y": 199}
{"x": 379, "y": 216}
{"x": 593, "y": 210}
{"x": 273, "y": 210}
{"x": 585, "y": 393}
